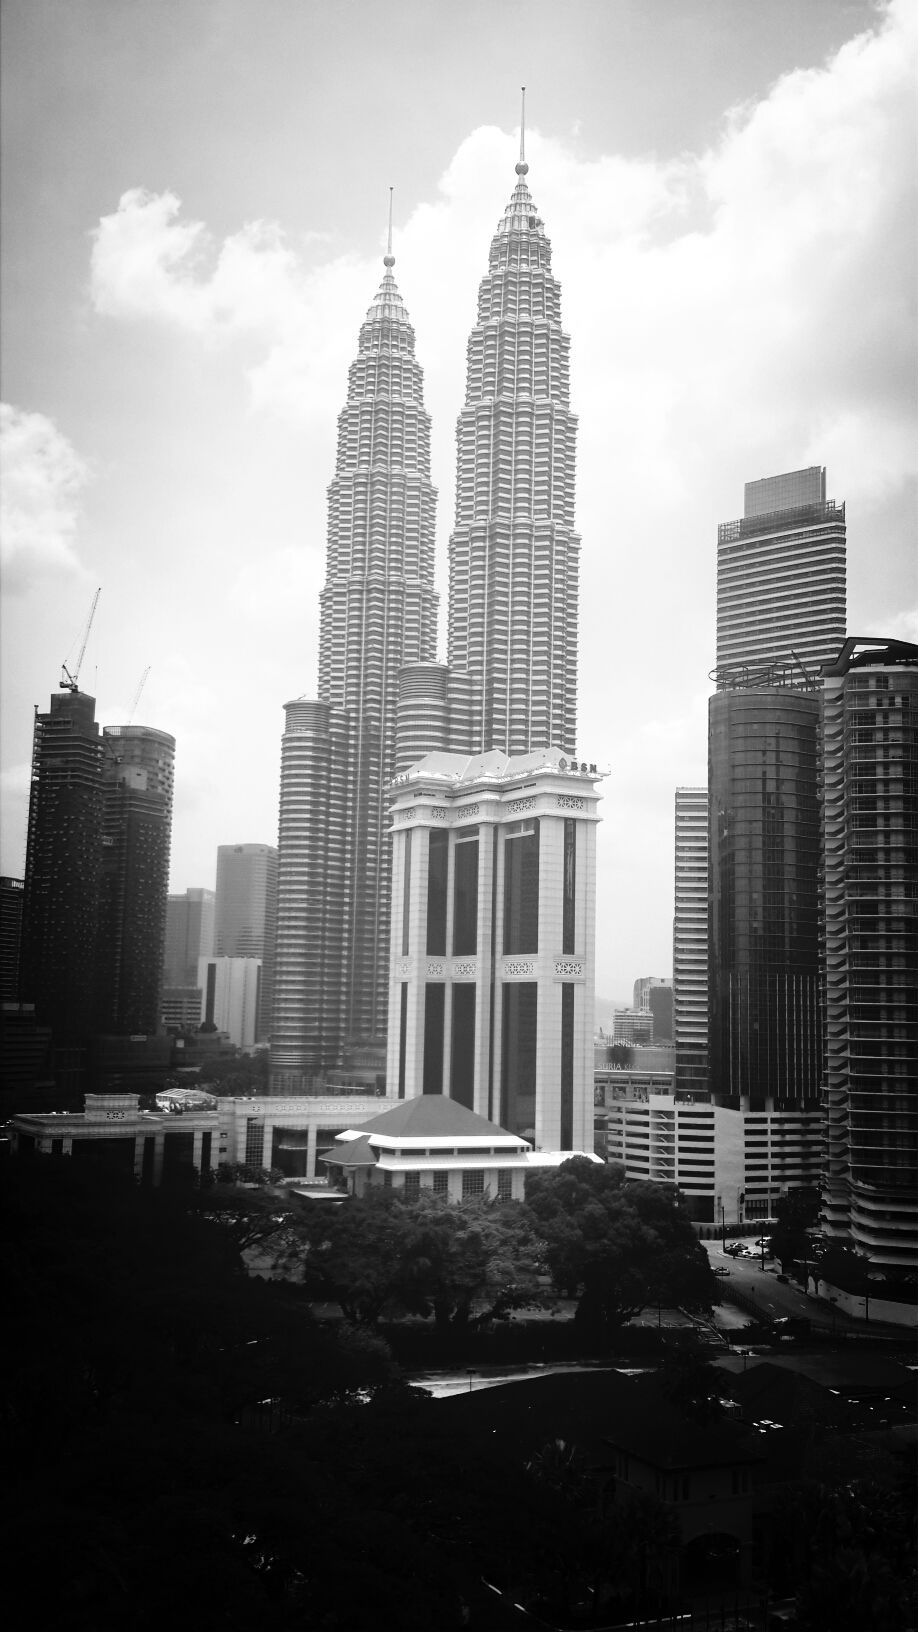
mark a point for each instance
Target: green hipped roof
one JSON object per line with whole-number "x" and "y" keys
{"x": 433, "y": 1116}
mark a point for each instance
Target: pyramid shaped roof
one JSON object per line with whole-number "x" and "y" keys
{"x": 434, "y": 1116}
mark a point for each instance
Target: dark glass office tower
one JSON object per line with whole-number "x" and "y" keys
{"x": 764, "y": 1020}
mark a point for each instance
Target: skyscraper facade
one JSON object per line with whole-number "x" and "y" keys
{"x": 377, "y": 613}
{"x": 780, "y": 617}
{"x": 870, "y": 881}
{"x": 492, "y": 995}
{"x": 764, "y": 836}
{"x": 63, "y": 868}
{"x": 514, "y": 555}
{"x": 690, "y": 939}
{"x": 189, "y": 936}
{"x": 246, "y": 899}
{"x": 137, "y": 779}
{"x": 10, "y": 937}
{"x": 493, "y": 955}
{"x": 781, "y": 576}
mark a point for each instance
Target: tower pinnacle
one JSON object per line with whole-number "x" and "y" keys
{"x": 389, "y": 258}
{"x": 522, "y": 169}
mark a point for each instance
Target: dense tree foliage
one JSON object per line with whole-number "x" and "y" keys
{"x": 184, "y": 1442}
{"x": 795, "y": 1213}
{"x": 378, "y": 1254}
{"x": 617, "y": 1245}
{"x": 848, "y": 1551}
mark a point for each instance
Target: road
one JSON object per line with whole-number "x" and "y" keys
{"x": 773, "y": 1297}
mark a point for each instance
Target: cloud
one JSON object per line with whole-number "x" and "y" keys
{"x": 43, "y": 478}
{"x": 733, "y": 312}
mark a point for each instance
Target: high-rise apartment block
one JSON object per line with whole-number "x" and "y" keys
{"x": 378, "y": 612}
{"x": 63, "y": 868}
{"x": 493, "y": 951}
{"x": 96, "y": 876}
{"x": 870, "y": 883}
{"x": 781, "y": 576}
{"x": 690, "y": 940}
{"x": 11, "y": 892}
{"x": 137, "y": 778}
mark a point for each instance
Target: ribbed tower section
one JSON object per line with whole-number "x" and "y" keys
{"x": 377, "y": 612}
{"x": 514, "y": 557}
{"x": 869, "y": 773}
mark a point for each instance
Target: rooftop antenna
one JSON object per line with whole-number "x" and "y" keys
{"x": 68, "y": 681}
{"x": 522, "y": 168}
{"x": 389, "y": 258}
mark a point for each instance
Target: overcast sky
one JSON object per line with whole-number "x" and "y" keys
{"x": 194, "y": 200}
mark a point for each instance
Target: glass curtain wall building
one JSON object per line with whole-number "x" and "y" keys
{"x": 764, "y": 1018}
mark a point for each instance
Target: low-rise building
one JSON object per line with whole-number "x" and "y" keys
{"x": 433, "y": 1143}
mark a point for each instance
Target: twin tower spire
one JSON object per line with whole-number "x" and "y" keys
{"x": 383, "y": 701}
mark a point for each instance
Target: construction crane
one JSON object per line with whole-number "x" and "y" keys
{"x": 68, "y": 681}
{"x": 143, "y": 681}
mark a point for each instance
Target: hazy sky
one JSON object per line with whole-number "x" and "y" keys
{"x": 194, "y": 199}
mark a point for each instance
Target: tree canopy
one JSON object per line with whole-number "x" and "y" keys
{"x": 378, "y": 1254}
{"x": 616, "y": 1244}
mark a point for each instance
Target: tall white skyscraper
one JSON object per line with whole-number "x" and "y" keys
{"x": 514, "y": 555}
{"x": 377, "y": 613}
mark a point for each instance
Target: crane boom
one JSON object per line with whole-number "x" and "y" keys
{"x": 68, "y": 681}
{"x": 143, "y": 681}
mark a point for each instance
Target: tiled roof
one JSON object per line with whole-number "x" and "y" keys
{"x": 432, "y": 1116}
{"x": 355, "y": 1153}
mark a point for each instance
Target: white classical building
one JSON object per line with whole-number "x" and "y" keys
{"x": 434, "y": 1143}
{"x": 492, "y": 948}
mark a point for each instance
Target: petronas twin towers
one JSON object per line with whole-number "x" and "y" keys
{"x": 511, "y": 678}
